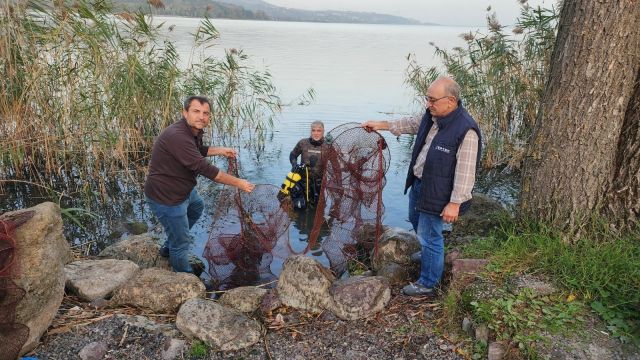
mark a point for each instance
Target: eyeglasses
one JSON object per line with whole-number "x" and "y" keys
{"x": 433, "y": 100}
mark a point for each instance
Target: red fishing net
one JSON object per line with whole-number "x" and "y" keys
{"x": 250, "y": 239}
{"x": 12, "y": 334}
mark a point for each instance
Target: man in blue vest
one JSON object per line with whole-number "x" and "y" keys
{"x": 441, "y": 174}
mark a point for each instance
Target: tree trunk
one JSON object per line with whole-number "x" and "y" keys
{"x": 623, "y": 202}
{"x": 570, "y": 168}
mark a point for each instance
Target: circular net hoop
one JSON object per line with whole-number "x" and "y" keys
{"x": 251, "y": 230}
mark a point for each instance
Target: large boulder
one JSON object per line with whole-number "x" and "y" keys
{"x": 304, "y": 284}
{"x": 141, "y": 249}
{"x": 359, "y": 297}
{"x": 41, "y": 253}
{"x": 221, "y": 327}
{"x": 395, "y": 274}
{"x": 159, "y": 290}
{"x": 245, "y": 298}
{"x": 93, "y": 279}
{"x": 396, "y": 246}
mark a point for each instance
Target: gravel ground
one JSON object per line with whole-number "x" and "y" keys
{"x": 404, "y": 330}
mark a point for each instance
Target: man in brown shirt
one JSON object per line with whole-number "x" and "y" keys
{"x": 177, "y": 158}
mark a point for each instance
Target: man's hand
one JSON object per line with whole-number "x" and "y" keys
{"x": 223, "y": 151}
{"x": 450, "y": 212}
{"x": 375, "y": 125}
{"x": 245, "y": 185}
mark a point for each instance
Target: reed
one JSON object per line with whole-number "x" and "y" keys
{"x": 86, "y": 90}
{"x": 502, "y": 76}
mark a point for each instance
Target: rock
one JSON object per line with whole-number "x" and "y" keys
{"x": 359, "y": 297}
{"x": 245, "y": 298}
{"x": 467, "y": 326}
{"x": 394, "y": 273}
{"x": 304, "y": 284}
{"x": 93, "y": 279}
{"x": 496, "y": 351}
{"x": 462, "y": 267}
{"x": 538, "y": 286}
{"x": 173, "y": 349}
{"x": 99, "y": 303}
{"x": 270, "y": 301}
{"x": 41, "y": 253}
{"x": 396, "y": 245}
{"x": 219, "y": 326}
{"x": 159, "y": 290}
{"x": 149, "y": 325}
{"x": 141, "y": 249}
{"x": 137, "y": 227}
{"x": 451, "y": 256}
{"x": 482, "y": 333}
{"x": 482, "y": 217}
{"x": 93, "y": 351}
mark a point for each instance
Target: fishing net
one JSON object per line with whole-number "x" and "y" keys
{"x": 12, "y": 334}
{"x": 250, "y": 239}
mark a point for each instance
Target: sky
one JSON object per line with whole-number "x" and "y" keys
{"x": 445, "y": 12}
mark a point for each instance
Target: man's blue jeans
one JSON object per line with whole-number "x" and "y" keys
{"x": 177, "y": 220}
{"x": 428, "y": 228}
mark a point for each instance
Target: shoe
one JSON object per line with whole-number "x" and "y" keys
{"x": 415, "y": 289}
{"x": 416, "y": 257}
{"x": 164, "y": 251}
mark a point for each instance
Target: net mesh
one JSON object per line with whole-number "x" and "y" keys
{"x": 250, "y": 236}
{"x": 12, "y": 334}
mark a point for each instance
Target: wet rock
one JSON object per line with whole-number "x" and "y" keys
{"x": 41, "y": 253}
{"x": 395, "y": 274}
{"x": 93, "y": 279}
{"x": 141, "y": 249}
{"x": 173, "y": 348}
{"x": 304, "y": 284}
{"x": 159, "y": 290}
{"x": 482, "y": 217}
{"x": 245, "y": 298}
{"x": 396, "y": 246}
{"x": 270, "y": 301}
{"x": 223, "y": 328}
{"x": 93, "y": 351}
{"x": 359, "y": 297}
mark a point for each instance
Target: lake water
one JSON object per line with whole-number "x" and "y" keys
{"x": 357, "y": 72}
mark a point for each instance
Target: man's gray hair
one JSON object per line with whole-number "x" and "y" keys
{"x": 451, "y": 87}
{"x": 317, "y": 123}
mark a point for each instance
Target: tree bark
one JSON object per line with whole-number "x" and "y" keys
{"x": 623, "y": 202}
{"x": 571, "y": 164}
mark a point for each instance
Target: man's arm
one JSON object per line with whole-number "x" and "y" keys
{"x": 464, "y": 178}
{"x": 407, "y": 125}
{"x": 219, "y": 150}
{"x": 293, "y": 156}
{"x": 226, "y": 179}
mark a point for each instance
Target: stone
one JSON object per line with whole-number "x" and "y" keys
{"x": 99, "y": 303}
{"x": 451, "y": 256}
{"x": 538, "y": 286}
{"x": 359, "y": 297}
{"x": 467, "y": 326}
{"x": 304, "y": 284}
{"x": 40, "y": 255}
{"x": 221, "y": 327}
{"x": 141, "y": 249}
{"x": 149, "y": 325}
{"x": 159, "y": 290}
{"x": 496, "y": 351}
{"x": 244, "y": 299}
{"x": 93, "y": 351}
{"x": 482, "y": 333}
{"x": 172, "y": 349}
{"x": 93, "y": 279}
{"x": 395, "y": 274}
{"x": 396, "y": 246}
{"x": 482, "y": 217}
{"x": 462, "y": 267}
{"x": 137, "y": 227}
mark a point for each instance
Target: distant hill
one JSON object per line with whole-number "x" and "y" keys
{"x": 261, "y": 10}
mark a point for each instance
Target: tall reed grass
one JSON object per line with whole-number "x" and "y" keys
{"x": 84, "y": 91}
{"x": 502, "y": 76}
